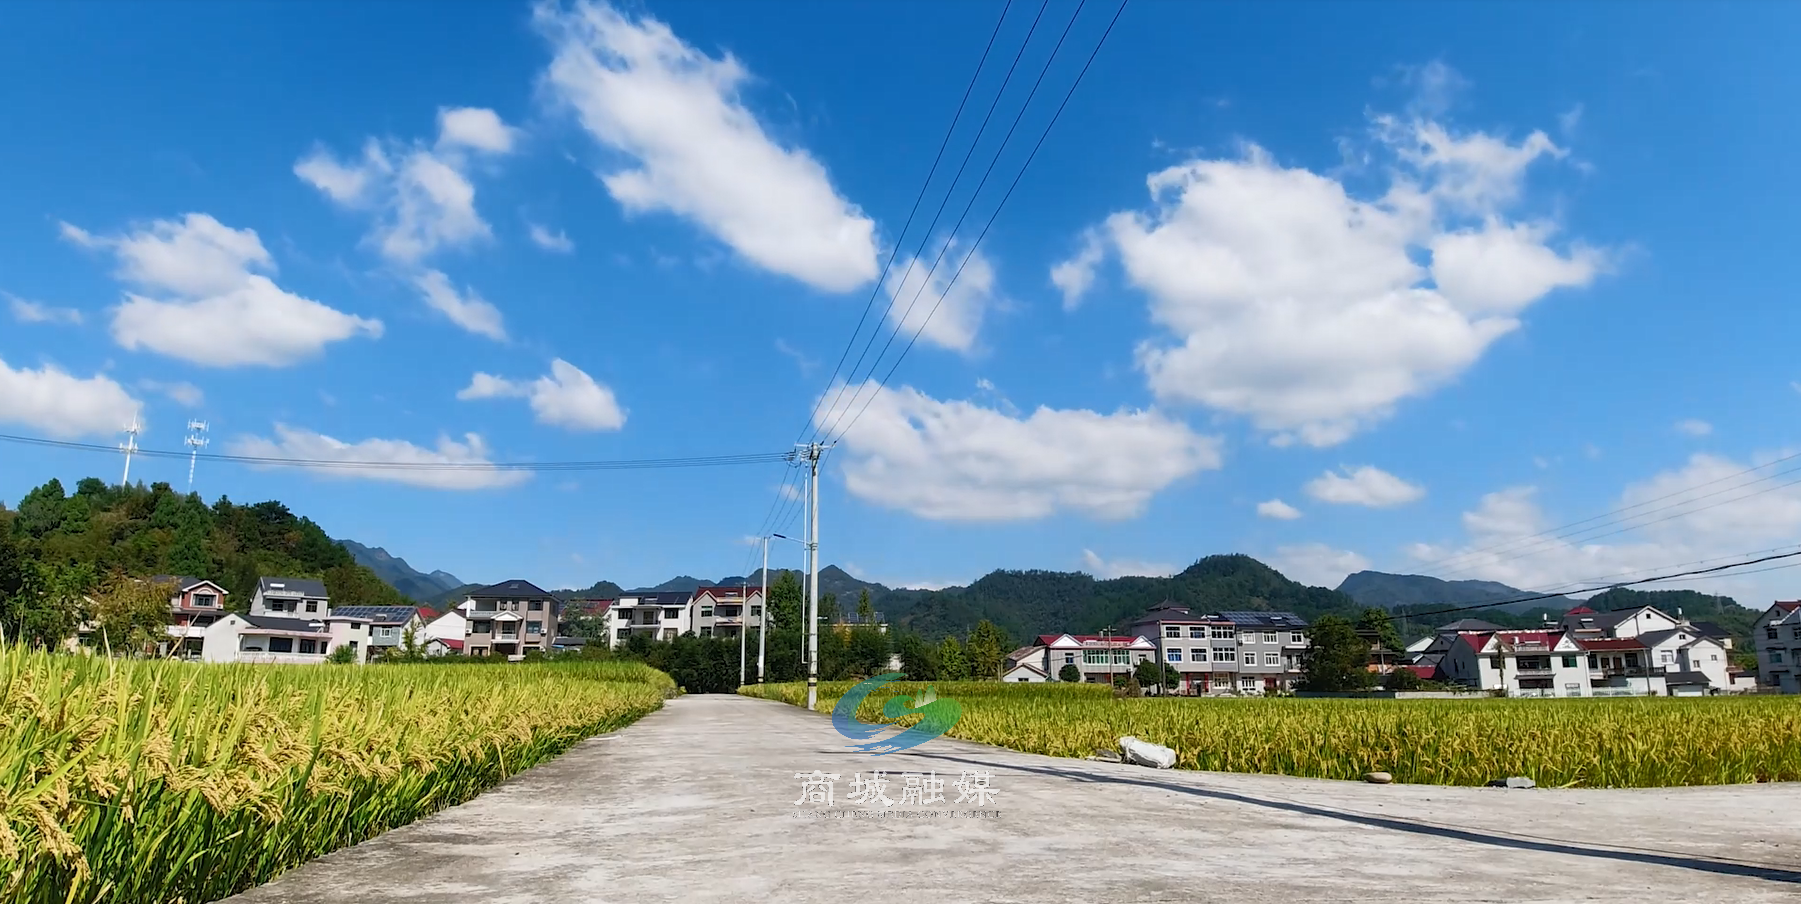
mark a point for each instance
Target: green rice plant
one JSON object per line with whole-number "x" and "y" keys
{"x": 160, "y": 781}
{"x": 1615, "y": 742}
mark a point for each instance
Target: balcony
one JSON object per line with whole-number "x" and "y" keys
{"x": 1534, "y": 672}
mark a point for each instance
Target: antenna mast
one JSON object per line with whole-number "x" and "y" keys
{"x": 195, "y": 442}
{"x": 129, "y": 446}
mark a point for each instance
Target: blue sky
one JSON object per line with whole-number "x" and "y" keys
{"x": 1434, "y": 277}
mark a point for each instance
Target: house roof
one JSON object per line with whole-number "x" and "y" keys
{"x": 1116, "y": 640}
{"x": 1710, "y": 630}
{"x": 1028, "y": 667}
{"x": 1546, "y": 639}
{"x": 1264, "y": 619}
{"x": 1657, "y": 638}
{"x": 587, "y": 607}
{"x": 277, "y": 623}
{"x": 1468, "y": 624}
{"x": 295, "y": 586}
{"x": 1686, "y": 678}
{"x": 1423, "y": 670}
{"x": 515, "y": 589}
{"x": 428, "y": 613}
{"x": 1580, "y": 610}
{"x": 455, "y": 643}
{"x": 655, "y": 598}
{"x": 1606, "y": 644}
{"x": 396, "y": 615}
{"x": 1788, "y": 605}
{"x": 182, "y": 582}
{"x": 723, "y": 591}
{"x": 565, "y": 640}
{"x": 1023, "y": 652}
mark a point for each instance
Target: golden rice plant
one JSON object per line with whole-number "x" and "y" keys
{"x": 1614, "y": 742}
{"x": 158, "y": 781}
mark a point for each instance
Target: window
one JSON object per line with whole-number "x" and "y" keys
{"x": 621, "y": 633}
{"x": 1247, "y": 684}
{"x": 312, "y": 605}
{"x": 1569, "y": 662}
{"x": 535, "y": 606}
{"x": 1196, "y": 631}
{"x": 671, "y": 614}
{"x": 1223, "y": 654}
{"x": 1497, "y": 662}
{"x": 1775, "y": 657}
{"x": 281, "y": 644}
{"x": 309, "y": 646}
{"x": 1247, "y": 637}
{"x": 706, "y": 612}
{"x": 1172, "y": 631}
{"x": 534, "y": 628}
{"x": 1250, "y": 659}
{"x": 1173, "y": 655}
{"x": 756, "y": 611}
{"x": 481, "y": 627}
{"x": 1296, "y": 637}
{"x": 1069, "y": 659}
{"x": 706, "y": 632}
{"x": 388, "y": 632}
{"x": 212, "y": 599}
{"x": 1197, "y": 654}
{"x": 1666, "y": 657}
{"x": 1714, "y": 658}
{"x": 1269, "y": 637}
{"x": 1222, "y": 633}
{"x": 1770, "y": 633}
{"x": 1795, "y": 632}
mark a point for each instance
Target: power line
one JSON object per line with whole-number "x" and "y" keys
{"x": 1533, "y": 598}
{"x": 992, "y": 217}
{"x": 325, "y": 463}
{"x": 1519, "y": 541}
{"x": 901, "y": 239}
{"x": 1543, "y": 544}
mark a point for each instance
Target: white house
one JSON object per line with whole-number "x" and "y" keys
{"x": 452, "y": 625}
{"x": 1684, "y": 650}
{"x": 660, "y": 615}
{"x": 1096, "y": 657}
{"x": 290, "y": 597}
{"x": 1778, "y": 638}
{"x": 274, "y": 639}
{"x": 726, "y": 611}
{"x": 1521, "y": 663}
{"x": 1025, "y": 672}
{"x": 194, "y": 604}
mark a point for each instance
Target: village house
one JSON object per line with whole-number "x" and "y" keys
{"x": 661, "y": 615}
{"x": 388, "y": 625}
{"x": 278, "y": 639}
{"x": 508, "y": 619}
{"x": 290, "y": 597}
{"x": 1777, "y": 636}
{"x": 1099, "y": 659}
{"x": 194, "y": 605}
{"x": 726, "y": 611}
{"x": 1203, "y": 649}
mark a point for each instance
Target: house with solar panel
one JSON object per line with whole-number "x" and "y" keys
{"x": 388, "y": 626}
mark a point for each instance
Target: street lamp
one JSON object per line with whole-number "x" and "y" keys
{"x": 763, "y": 620}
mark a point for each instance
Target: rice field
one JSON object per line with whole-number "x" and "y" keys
{"x": 1619, "y": 742}
{"x": 157, "y": 781}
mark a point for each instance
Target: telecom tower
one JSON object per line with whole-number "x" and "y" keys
{"x": 129, "y": 446}
{"x": 195, "y": 442}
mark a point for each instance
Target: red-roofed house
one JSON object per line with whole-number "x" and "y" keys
{"x": 1778, "y": 637}
{"x": 1521, "y": 663}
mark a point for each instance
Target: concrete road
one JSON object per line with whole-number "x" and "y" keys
{"x": 697, "y": 803}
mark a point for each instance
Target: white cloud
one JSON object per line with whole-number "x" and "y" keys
{"x": 1694, "y": 427}
{"x": 421, "y": 196}
{"x": 949, "y": 319}
{"x": 567, "y": 397}
{"x": 1118, "y": 568}
{"x": 1076, "y": 275}
{"x": 181, "y": 392}
{"x": 698, "y": 151}
{"x": 957, "y": 461}
{"x": 1569, "y": 119}
{"x": 790, "y": 492}
{"x": 64, "y": 406}
{"x": 217, "y": 308}
{"x": 551, "y": 241}
{"x": 476, "y": 128}
{"x": 27, "y": 311}
{"x": 1313, "y": 310}
{"x": 1277, "y": 509}
{"x": 1316, "y": 564}
{"x": 451, "y": 465}
{"x": 1510, "y": 539}
{"x": 805, "y": 363}
{"x": 469, "y": 311}
{"x": 1367, "y": 485}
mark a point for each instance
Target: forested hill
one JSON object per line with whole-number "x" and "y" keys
{"x": 54, "y": 537}
{"x": 1028, "y": 603}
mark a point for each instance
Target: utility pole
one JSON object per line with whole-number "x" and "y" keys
{"x": 743, "y": 625}
{"x": 1107, "y": 647}
{"x": 763, "y": 617}
{"x": 195, "y": 442}
{"x": 129, "y": 446}
{"x": 814, "y": 450}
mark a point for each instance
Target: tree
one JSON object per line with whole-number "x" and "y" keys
{"x": 919, "y": 662}
{"x": 987, "y": 650}
{"x": 865, "y": 610}
{"x": 130, "y": 615}
{"x": 785, "y": 603}
{"x": 1403, "y": 679}
{"x": 1335, "y": 657}
{"x": 828, "y": 609}
{"x": 1070, "y": 673}
{"x": 47, "y": 607}
{"x": 1163, "y": 675}
{"x": 866, "y": 653}
{"x": 1375, "y": 621}
{"x": 41, "y": 511}
{"x": 342, "y": 655}
{"x": 953, "y": 665}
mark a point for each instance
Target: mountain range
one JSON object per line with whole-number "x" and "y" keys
{"x": 1028, "y": 603}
